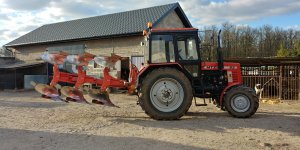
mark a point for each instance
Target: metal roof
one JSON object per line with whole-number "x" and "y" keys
{"x": 173, "y": 29}
{"x": 265, "y": 61}
{"x": 20, "y": 64}
{"x": 118, "y": 24}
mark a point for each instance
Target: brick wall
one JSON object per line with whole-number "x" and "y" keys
{"x": 125, "y": 46}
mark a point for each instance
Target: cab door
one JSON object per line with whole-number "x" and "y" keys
{"x": 161, "y": 48}
{"x": 187, "y": 53}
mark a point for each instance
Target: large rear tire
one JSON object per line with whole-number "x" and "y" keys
{"x": 241, "y": 102}
{"x": 166, "y": 94}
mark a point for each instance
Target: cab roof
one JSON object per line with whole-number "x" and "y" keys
{"x": 155, "y": 30}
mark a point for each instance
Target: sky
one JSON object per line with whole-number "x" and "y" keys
{"x": 18, "y": 17}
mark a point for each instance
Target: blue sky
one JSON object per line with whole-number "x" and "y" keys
{"x": 20, "y": 17}
{"x": 284, "y": 21}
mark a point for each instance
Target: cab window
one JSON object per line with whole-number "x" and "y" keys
{"x": 162, "y": 49}
{"x": 187, "y": 49}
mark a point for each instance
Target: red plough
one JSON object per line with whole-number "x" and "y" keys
{"x": 75, "y": 94}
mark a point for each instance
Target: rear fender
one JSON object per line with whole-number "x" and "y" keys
{"x": 143, "y": 73}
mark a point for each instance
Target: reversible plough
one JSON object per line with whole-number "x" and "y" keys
{"x": 76, "y": 94}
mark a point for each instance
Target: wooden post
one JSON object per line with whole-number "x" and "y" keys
{"x": 46, "y": 65}
{"x": 280, "y": 81}
{"x": 15, "y": 79}
{"x": 298, "y": 82}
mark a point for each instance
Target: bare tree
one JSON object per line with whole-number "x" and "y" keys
{"x": 265, "y": 41}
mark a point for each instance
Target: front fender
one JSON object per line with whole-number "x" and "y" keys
{"x": 225, "y": 90}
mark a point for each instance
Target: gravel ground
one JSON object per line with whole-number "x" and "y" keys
{"x": 29, "y": 122}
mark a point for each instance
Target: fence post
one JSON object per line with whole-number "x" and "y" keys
{"x": 298, "y": 82}
{"x": 280, "y": 81}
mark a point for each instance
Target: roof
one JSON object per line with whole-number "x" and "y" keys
{"x": 17, "y": 64}
{"x": 111, "y": 25}
{"x": 173, "y": 29}
{"x": 265, "y": 61}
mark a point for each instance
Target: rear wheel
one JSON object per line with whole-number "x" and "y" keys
{"x": 241, "y": 102}
{"x": 166, "y": 94}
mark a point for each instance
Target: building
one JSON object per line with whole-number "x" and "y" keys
{"x": 119, "y": 33}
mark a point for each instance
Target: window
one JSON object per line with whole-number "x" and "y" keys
{"x": 187, "y": 49}
{"x": 162, "y": 49}
{"x": 137, "y": 61}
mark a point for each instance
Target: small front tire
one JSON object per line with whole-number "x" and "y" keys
{"x": 241, "y": 102}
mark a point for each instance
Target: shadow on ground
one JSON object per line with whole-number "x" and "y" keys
{"x": 36, "y": 140}
{"x": 220, "y": 122}
{"x": 27, "y": 104}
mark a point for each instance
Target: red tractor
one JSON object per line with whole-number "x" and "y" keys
{"x": 174, "y": 74}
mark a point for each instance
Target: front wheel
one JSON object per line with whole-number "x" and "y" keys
{"x": 241, "y": 102}
{"x": 166, "y": 94}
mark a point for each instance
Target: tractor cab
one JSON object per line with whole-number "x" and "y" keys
{"x": 178, "y": 45}
{"x": 173, "y": 45}
{"x": 180, "y": 48}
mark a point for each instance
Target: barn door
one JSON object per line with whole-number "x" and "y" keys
{"x": 137, "y": 61}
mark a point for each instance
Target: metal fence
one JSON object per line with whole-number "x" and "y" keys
{"x": 278, "y": 82}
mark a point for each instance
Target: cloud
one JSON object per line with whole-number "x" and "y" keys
{"x": 237, "y": 11}
{"x": 77, "y": 9}
{"x": 81, "y": 8}
{"x": 20, "y": 17}
{"x": 25, "y": 4}
{"x": 295, "y": 27}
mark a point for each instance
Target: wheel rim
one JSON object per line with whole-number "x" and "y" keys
{"x": 240, "y": 103}
{"x": 166, "y": 94}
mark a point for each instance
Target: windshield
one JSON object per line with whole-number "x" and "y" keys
{"x": 162, "y": 49}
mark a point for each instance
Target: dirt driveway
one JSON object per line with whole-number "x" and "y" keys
{"x": 29, "y": 122}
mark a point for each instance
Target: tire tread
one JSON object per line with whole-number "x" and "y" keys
{"x": 146, "y": 84}
{"x": 251, "y": 95}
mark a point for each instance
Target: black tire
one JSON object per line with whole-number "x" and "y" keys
{"x": 159, "y": 75}
{"x": 245, "y": 94}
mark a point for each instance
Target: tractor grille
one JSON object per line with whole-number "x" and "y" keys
{"x": 235, "y": 76}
